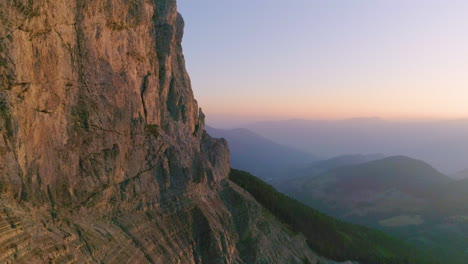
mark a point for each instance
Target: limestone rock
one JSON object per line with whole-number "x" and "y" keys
{"x": 103, "y": 154}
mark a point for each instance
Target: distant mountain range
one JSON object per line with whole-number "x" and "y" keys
{"x": 259, "y": 155}
{"x": 400, "y": 195}
{"x": 444, "y": 144}
{"x": 272, "y": 161}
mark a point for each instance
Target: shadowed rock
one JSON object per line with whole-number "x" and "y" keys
{"x": 103, "y": 154}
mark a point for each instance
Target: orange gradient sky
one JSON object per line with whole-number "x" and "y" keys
{"x": 394, "y": 59}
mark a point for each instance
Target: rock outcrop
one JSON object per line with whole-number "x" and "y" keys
{"x": 103, "y": 153}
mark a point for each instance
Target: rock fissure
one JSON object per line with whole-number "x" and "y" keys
{"x": 104, "y": 155}
{"x": 143, "y": 88}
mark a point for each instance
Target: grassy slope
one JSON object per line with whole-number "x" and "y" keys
{"x": 329, "y": 237}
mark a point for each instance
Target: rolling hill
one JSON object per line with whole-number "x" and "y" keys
{"x": 400, "y": 195}
{"x": 392, "y": 180}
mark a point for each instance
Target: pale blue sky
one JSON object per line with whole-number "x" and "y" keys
{"x": 264, "y": 59}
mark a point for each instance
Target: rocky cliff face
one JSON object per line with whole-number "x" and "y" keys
{"x": 103, "y": 154}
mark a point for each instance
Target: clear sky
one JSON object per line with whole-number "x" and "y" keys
{"x": 268, "y": 59}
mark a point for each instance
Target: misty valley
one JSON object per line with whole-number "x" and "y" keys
{"x": 403, "y": 197}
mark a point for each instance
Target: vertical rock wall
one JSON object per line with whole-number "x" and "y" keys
{"x": 103, "y": 154}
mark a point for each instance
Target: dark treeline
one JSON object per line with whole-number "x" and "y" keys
{"x": 330, "y": 237}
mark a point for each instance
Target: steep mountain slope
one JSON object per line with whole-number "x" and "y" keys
{"x": 103, "y": 153}
{"x": 261, "y": 156}
{"x": 331, "y": 237}
{"x": 400, "y": 195}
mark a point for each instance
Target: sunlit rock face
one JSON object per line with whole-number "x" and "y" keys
{"x": 103, "y": 153}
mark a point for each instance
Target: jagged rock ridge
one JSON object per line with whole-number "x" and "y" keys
{"x": 103, "y": 154}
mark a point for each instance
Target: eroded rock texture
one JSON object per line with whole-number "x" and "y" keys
{"x": 103, "y": 154}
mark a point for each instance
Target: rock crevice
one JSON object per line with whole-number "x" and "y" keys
{"x": 103, "y": 154}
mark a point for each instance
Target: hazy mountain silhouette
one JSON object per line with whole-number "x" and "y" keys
{"x": 256, "y": 154}
{"x": 443, "y": 144}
